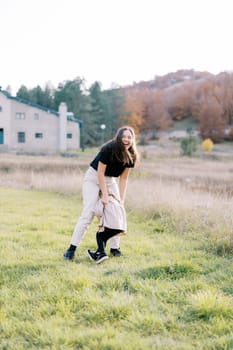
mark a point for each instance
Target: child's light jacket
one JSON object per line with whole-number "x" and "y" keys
{"x": 112, "y": 215}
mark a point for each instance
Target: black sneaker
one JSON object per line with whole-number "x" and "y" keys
{"x": 101, "y": 257}
{"x": 69, "y": 255}
{"x": 92, "y": 255}
{"x": 115, "y": 252}
{"x": 97, "y": 256}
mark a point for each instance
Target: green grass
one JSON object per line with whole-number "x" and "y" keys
{"x": 167, "y": 292}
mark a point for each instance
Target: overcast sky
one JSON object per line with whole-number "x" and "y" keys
{"x": 112, "y": 41}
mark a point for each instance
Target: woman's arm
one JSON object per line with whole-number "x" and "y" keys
{"x": 123, "y": 183}
{"x": 102, "y": 183}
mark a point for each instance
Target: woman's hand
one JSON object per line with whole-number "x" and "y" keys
{"x": 105, "y": 199}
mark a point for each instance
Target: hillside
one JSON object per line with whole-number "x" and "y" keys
{"x": 172, "y": 79}
{"x": 183, "y": 100}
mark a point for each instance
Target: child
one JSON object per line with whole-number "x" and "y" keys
{"x": 112, "y": 222}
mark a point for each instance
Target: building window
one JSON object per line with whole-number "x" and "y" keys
{"x": 69, "y": 136}
{"x": 36, "y": 116}
{"x": 38, "y": 135}
{"x": 20, "y": 115}
{"x": 21, "y": 137}
{"x": 1, "y": 136}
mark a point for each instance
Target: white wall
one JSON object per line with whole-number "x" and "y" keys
{"x": 4, "y": 118}
{"x": 53, "y": 129}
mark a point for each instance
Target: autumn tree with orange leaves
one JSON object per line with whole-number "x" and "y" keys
{"x": 155, "y": 115}
{"x": 211, "y": 120}
{"x": 181, "y": 102}
{"x": 225, "y": 81}
{"x": 146, "y": 111}
{"x": 133, "y": 110}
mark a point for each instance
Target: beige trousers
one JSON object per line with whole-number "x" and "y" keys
{"x": 90, "y": 192}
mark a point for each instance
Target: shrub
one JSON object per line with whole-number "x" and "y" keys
{"x": 188, "y": 146}
{"x": 207, "y": 145}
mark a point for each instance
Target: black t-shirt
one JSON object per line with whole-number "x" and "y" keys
{"x": 114, "y": 167}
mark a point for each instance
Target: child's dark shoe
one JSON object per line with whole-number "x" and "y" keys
{"x": 115, "y": 252}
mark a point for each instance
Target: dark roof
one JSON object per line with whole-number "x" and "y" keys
{"x": 48, "y": 110}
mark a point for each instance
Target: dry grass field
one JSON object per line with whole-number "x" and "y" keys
{"x": 162, "y": 176}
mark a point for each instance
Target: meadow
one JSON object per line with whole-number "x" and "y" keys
{"x": 171, "y": 289}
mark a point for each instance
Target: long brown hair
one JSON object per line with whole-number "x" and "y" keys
{"x": 124, "y": 155}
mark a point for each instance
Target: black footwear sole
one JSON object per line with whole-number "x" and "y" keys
{"x": 100, "y": 260}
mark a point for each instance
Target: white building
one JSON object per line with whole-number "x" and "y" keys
{"x": 30, "y": 127}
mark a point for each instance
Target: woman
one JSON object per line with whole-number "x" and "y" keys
{"x": 114, "y": 160}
